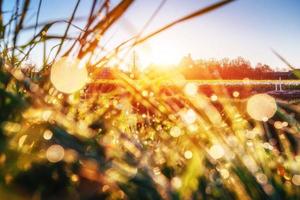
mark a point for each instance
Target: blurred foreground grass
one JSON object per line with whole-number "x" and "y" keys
{"x": 145, "y": 142}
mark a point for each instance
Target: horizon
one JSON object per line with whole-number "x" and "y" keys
{"x": 195, "y": 60}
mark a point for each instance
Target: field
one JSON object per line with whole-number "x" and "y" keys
{"x": 126, "y": 136}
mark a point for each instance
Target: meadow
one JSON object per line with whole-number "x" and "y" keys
{"x": 77, "y": 129}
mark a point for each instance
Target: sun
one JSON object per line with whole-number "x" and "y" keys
{"x": 159, "y": 53}
{"x": 164, "y": 54}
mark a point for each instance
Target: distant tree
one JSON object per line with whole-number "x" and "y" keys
{"x": 225, "y": 68}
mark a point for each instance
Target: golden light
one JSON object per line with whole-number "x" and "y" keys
{"x": 105, "y": 188}
{"x": 278, "y": 125}
{"x": 176, "y": 182}
{"x": 70, "y": 155}
{"x": 163, "y": 55}
{"x": 235, "y": 94}
{"x": 175, "y": 131}
{"x": 213, "y": 97}
{"x": 189, "y": 117}
{"x": 261, "y": 107}
{"x": 261, "y": 178}
{"x": 216, "y": 151}
{"x": 55, "y": 153}
{"x": 285, "y": 124}
{"x": 22, "y": 140}
{"x": 144, "y": 93}
{"x": 75, "y": 178}
{"x": 47, "y": 135}
{"x": 191, "y": 89}
{"x": 224, "y": 173}
{"x": 46, "y": 115}
{"x": 68, "y": 75}
{"x": 159, "y": 53}
{"x": 296, "y": 179}
{"x": 188, "y": 154}
{"x": 11, "y": 127}
{"x": 192, "y": 128}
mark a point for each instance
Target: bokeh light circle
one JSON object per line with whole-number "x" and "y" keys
{"x": 55, "y": 153}
{"x": 175, "y": 131}
{"x": 68, "y": 75}
{"x": 191, "y": 89}
{"x": 216, "y": 151}
{"x": 261, "y": 107}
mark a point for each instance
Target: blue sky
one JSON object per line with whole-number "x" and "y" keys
{"x": 247, "y": 28}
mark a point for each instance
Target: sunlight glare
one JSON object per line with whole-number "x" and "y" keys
{"x": 158, "y": 53}
{"x": 68, "y": 75}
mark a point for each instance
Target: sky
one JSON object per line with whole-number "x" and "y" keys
{"x": 247, "y": 28}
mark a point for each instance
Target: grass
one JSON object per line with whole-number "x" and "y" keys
{"x": 135, "y": 141}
